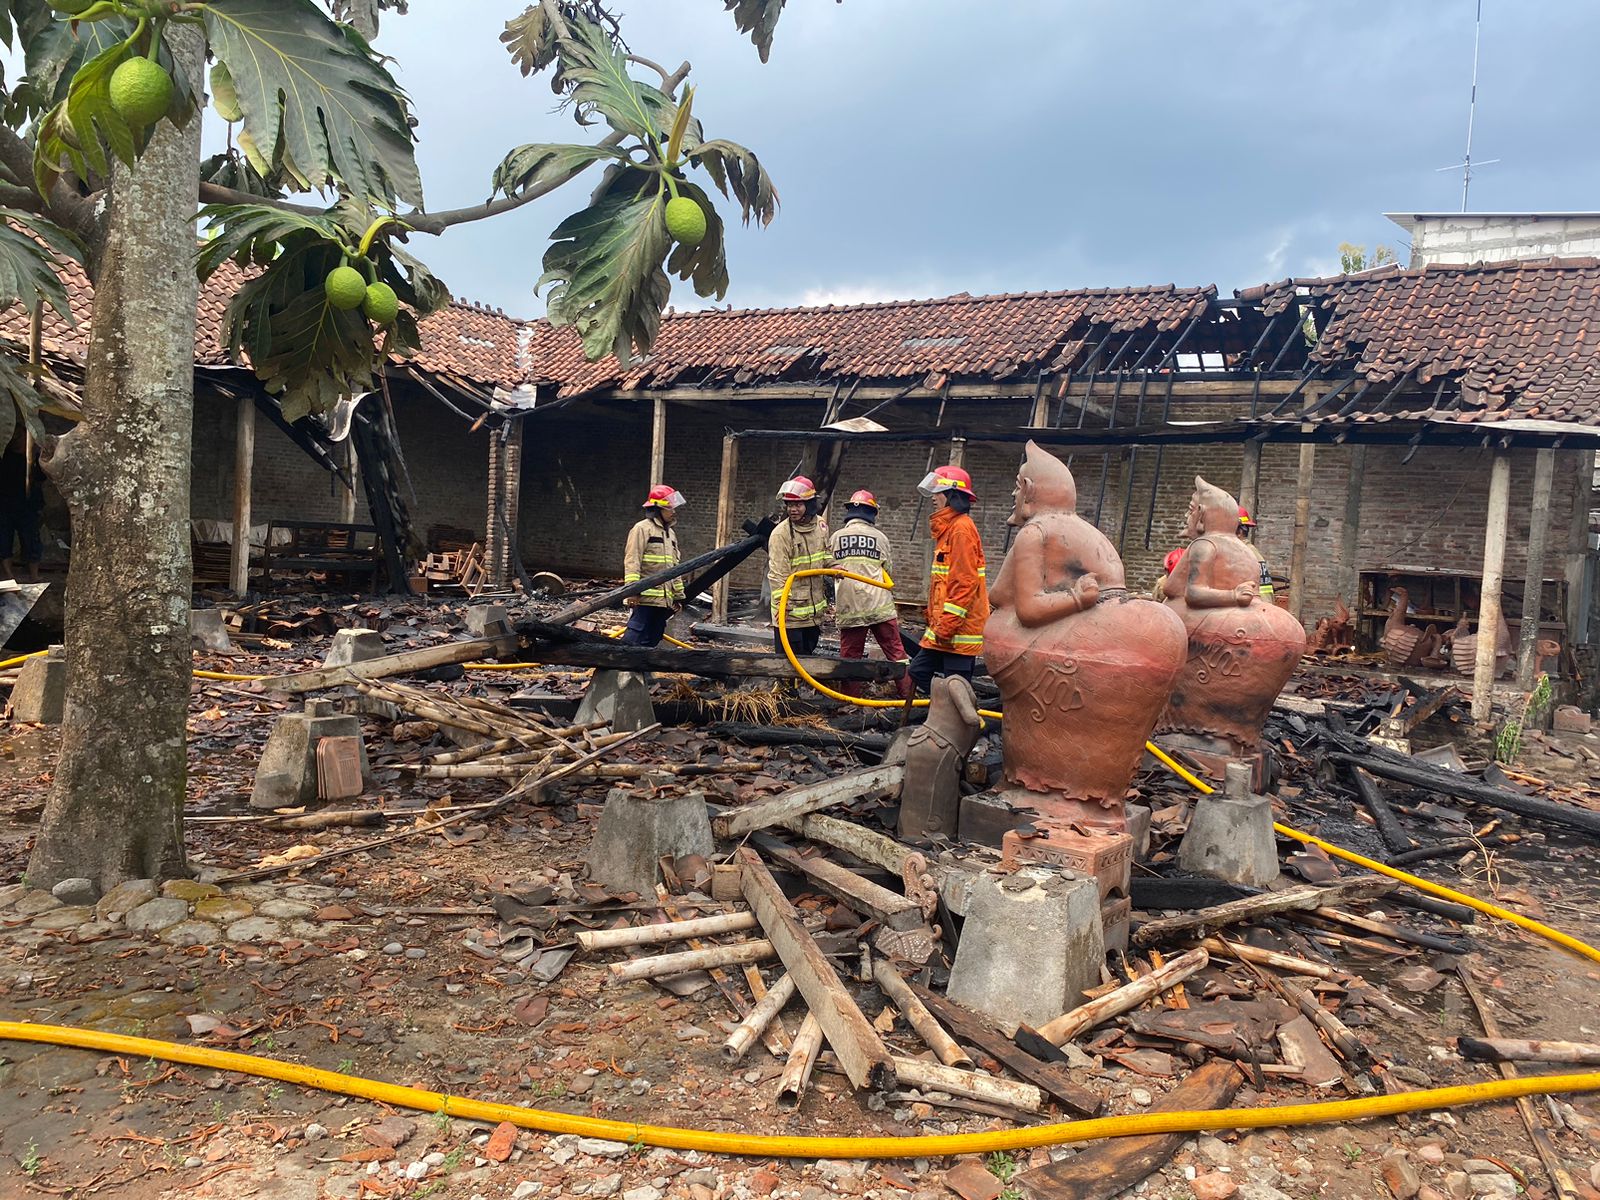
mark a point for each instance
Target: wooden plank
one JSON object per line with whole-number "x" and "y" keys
{"x": 244, "y": 457}
{"x": 862, "y": 1054}
{"x": 866, "y": 897}
{"x": 1223, "y": 915}
{"x": 861, "y": 843}
{"x": 403, "y": 663}
{"x": 974, "y": 1030}
{"x": 802, "y": 800}
{"x": 1395, "y": 838}
{"x": 1102, "y": 1169}
{"x": 1123, "y": 999}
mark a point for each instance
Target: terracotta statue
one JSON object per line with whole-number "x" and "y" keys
{"x": 1242, "y": 649}
{"x": 1405, "y": 644}
{"x": 1083, "y": 667}
{"x": 1463, "y": 643}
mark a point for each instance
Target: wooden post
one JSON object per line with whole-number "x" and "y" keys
{"x": 958, "y": 450}
{"x": 1350, "y": 533}
{"x": 511, "y": 498}
{"x": 244, "y": 458}
{"x": 1250, "y": 477}
{"x": 725, "y": 491}
{"x": 352, "y": 466}
{"x": 658, "y": 443}
{"x": 492, "y": 502}
{"x": 1302, "y": 527}
{"x": 1577, "y": 612}
{"x": 1544, "y": 473}
{"x": 1041, "y": 411}
{"x": 1494, "y": 562}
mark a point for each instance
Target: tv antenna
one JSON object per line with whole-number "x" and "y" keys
{"x": 1465, "y": 165}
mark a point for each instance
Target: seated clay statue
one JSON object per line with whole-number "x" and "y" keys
{"x": 1242, "y": 649}
{"x": 1083, "y": 667}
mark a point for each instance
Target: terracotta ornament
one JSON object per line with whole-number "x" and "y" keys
{"x": 1463, "y": 644}
{"x": 1083, "y": 667}
{"x": 1242, "y": 650}
{"x": 1405, "y": 644}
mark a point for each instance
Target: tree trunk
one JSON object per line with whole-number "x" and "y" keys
{"x": 116, "y": 808}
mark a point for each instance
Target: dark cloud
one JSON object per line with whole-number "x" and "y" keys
{"x": 924, "y": 147}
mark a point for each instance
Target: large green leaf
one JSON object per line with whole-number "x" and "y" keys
{"x": 29, "y": 246}
{"x": 594, "y": 71}
{"x": 544, "y": 165}
{"x": 80, "y": 129}
{"x": 316, "y": 89}
{"x": 738, "y": 172}
{"x": 253, "y": 233}
{"x": 606, "y": 264}
{"x": 758, "y": 18}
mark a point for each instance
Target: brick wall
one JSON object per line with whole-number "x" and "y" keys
{"x": 448, "y": 466}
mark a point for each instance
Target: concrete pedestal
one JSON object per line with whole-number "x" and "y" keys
{"x": 1230, "y": 834}
{"x": 619, "y": 697}
{"x": 487, "y": 620}
{"x": 207, "y": 631}
{"x": 353, "y": 646}
{"x": 636, "y": 830}
{"x": 1031, "y": 944}
{"x": 286, "y": 776}
{"x": 39, "y": 697}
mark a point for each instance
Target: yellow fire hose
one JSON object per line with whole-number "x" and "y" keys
{"x": 778, "y": 1146}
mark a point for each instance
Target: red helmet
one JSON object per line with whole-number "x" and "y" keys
{"x": 798, "y": 488}
{"x": 1172, "y": 560}
{"x": 1244, "y": 516}
{"x": 663, "y": 496}
{"x": 863, "y": 498}
{"x": 946, "y": 479}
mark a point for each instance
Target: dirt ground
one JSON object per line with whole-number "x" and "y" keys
{"x": 387, "y": 965}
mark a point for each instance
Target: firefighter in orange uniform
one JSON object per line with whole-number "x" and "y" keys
{"x": 958, "y": 591}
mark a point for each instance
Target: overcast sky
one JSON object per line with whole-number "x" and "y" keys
{"x": 926, "y": 147}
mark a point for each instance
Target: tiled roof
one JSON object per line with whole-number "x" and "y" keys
{"x": 1522, "y": 339}
{"x": 477, "y": 343}
{"x": 989, "y": 337}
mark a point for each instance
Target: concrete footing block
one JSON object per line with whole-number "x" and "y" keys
{"x": 1230, "y": 834}
{"x": 207, "y": 631}
{"x": 1032, "y": 942}
{"x": 487, "y": 620}
{"x": 39, "y": 697}
{"x": 620, "y": 697}
{"x": 353, "y": 646}
{"x": 637, "y": 830}
{"x": 286, "y": 776}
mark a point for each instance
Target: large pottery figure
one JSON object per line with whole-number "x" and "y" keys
{"x": 1083, "y": 667}
{"x": 1242, "y": 649}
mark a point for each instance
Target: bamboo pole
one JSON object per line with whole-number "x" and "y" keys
{"x": 1124, "y": 999}
{"x": 671, "y": 931}
{"x": 1270, "y": 958}
{"x": 917, "y": 1015}
{"x": 726, "y": 486}
{"x": 1023, "y": 1097}
{"x": 802, "y": 1057}
{"x": 761, "y": 1016}
{"x": 658, "y": 443}
{"x": 685, "y": 961}
{"x": 244, "y": 455}
{"x": 1507, "y": 1050}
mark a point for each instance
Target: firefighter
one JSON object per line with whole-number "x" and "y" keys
{"x": 1246, "y": 532}
{"x": 799, "y": 543}
{"x": 653, "y": 546}
{"x": 958, "y": 592}
{"x": 861, "y": 548}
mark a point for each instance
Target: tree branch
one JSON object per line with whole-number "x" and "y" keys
{"x": 63, "y": 205}
{"x": 216, "y": 193}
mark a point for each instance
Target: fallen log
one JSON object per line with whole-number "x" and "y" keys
{"x": 918, "y": 1017}
{"x": 868, "y": 898}
{"x": 759, "y": 1017}
{"x": 737, "y": 551}
{"x": 782, "y": 735}
{"x": 710, "y": 664}
{"x": 661, "y": 965}
{"x": 1235, "y": 911}
{"x": 1395, "y": 838}
{"x": 1123, "y": 999}
{"x": 862, "y": 1054}
{"x": 1500, "y": 1049}
{"x": 1054, "y": 1078}
{"x": 1102, "y": 1169}
{"x": 404, "y": 663}
{"x": 915, "y": 1072}
{"x": 802, "y": 1058}
{"x": 1270, "y": 958}
{"x": 797, "y": 802}
{"x": 1462, "y": 787}
{"x": 671, "y": 931}
{"x": 1395, "y": 933}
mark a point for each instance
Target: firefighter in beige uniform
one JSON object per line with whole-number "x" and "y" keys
{"x": 861, "y": 548}
{"x": 653, "y": 546}
{"x": 799, "y": 543}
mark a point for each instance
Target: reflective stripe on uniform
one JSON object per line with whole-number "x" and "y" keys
{"x": 955, "y": 610}
{"x": 967, "y": 640}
